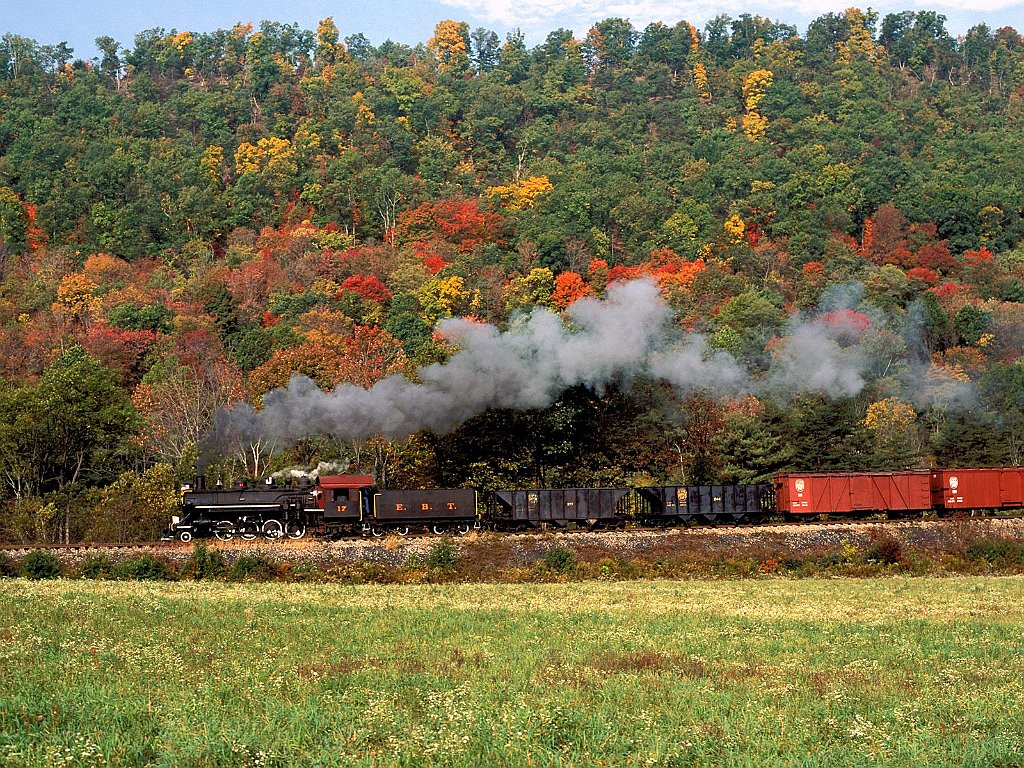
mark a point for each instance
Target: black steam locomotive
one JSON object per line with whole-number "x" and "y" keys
{"x": 352, "y": 505}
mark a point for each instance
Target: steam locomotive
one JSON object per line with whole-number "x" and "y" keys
{"x": 352, "y": 505}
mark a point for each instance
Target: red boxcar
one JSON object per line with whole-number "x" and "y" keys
{"x": 991, "y": 488}
{"x": 846, "y": 492}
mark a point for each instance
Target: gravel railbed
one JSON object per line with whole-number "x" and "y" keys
{"x": 524, "y": 549}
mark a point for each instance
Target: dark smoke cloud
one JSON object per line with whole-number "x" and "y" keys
{"x": 629, "y": 334}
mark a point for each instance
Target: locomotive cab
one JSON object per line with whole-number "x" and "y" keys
{"x": 344, "y": 499}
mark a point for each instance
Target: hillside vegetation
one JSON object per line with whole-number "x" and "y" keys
{"x": 834, "y": 219}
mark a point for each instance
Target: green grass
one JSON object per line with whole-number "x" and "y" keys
{"x": 892, "y": 672}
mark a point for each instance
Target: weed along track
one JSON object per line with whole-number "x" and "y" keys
{"x": 847, "y": 547}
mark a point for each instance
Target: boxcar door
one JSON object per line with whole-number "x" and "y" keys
{"x": 863, "y": 493}
{"x": 1011, "y": 487}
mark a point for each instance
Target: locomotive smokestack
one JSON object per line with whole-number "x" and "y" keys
{"x": 200, "y": 482}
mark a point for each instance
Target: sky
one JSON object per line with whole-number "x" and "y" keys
{"x": 411, "y": 21}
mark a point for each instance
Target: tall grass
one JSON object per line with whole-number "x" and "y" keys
{"x": 895, "y": 672}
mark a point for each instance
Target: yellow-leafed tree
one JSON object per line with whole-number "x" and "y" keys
{"x": 755, "y": 86}
{"x": 892, "y": 425}
{"x": 450, "y": 46}
{"x": 76, "y": 296}
{"x": 522, "y": 194}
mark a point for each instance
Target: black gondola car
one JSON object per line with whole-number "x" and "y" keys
{"x": 536, "y": 507}
{"x": 673, "y": 504}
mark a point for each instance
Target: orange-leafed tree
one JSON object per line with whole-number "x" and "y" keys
{"x": 76, "y": 297}
{"x": 106, "y": 270}
{"x": 307, "y": 359}
{"x": 252, "y": 283}
{"x": 569, "y": 286}
{"x": 461, "y": 223}
{"x": 369, "y": 355}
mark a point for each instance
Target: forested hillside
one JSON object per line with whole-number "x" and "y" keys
{"x": 833, "y": 220}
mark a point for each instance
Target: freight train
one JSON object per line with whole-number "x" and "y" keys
{"x": 352, "y": 505}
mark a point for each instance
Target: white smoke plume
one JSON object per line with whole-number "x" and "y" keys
{"x": 813, "y": 359}
{"x": 525, "y": 367}
{"x": 629, "y": 334}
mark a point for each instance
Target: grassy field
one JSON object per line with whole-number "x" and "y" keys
{"x": 889, "y": 672}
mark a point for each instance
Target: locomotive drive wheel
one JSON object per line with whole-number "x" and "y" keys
{"x": 185, "y": 536}
{"x": 224, "y": 530}
{"x": 248, "y": 530}
{"x": 272, "y": 529}
{"x": 295, "y": 529}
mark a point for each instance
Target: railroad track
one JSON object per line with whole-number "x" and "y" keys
{"x": 173, "y": 546}
{"x": 82, "y": 547}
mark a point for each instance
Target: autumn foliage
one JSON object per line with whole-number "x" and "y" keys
{"x": 204, "y": 215}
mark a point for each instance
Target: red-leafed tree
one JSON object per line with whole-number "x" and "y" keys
{"x": 884, "y": 232}
{"x": 846, "y": 323}
{"x": 461, "y": 223}
{"x": 435, "y": 254}
{"x": 922, "y": 277}
{"x": 35, "y": 236}
{"x": 367, "y": 286}
{"x": 252, "y": 283}
{"x": 930, "y": 250}
{"x": 28, "y": 347}
{"x": 376, "y": 260}
{"x": 569, "y": 286}
{"x": 981, "y": 270}
{"x": 890, "y": 239}
{"x": 122, "y": 350}
{"x": 623, "y": 272}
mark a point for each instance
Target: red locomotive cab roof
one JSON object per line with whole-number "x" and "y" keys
{"x": 344, "y": 481}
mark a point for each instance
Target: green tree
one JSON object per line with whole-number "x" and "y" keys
{"x": 135, "y": 507}
{"x": 13, "y": 221}
{"x": 70, "y": 430}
